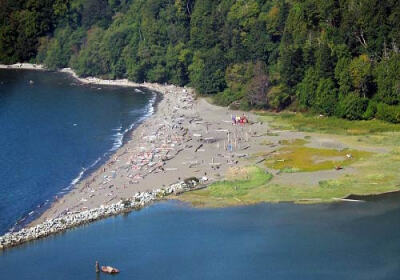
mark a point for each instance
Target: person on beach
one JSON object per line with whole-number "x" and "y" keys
{"x": 243, "y": 119}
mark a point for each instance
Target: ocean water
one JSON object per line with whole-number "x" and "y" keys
{"x": 53, "y": 132}
{"x": 169, "y": 240}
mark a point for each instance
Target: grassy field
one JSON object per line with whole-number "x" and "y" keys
{"x": 376, "y": 172}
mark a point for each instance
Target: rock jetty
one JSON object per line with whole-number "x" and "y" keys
{"x": 73, "y": 219}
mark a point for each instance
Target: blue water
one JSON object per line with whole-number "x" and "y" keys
{"x": 53, "y": 130}
{"x": 268, "y": 241}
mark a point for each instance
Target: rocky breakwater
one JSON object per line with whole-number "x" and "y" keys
{"x": 73, "y": 219}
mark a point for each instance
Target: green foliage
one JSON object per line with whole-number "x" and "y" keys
{"x": 227, "y": 97}
{"x": 93, "y": 59}
{"x": 23, "y": 23}
{"x": 361, "y": 74}
{"x": 342, "y": 75}
{"x": 311, "y": 51}
{"x": 306, "y": 89}
{"x": 388, "y": 113}
{"x": 56, "y": 52}
{"x": 248, "y": 82}
{"x": 370, "y": 111}
{"x": 352, "y": 107}
{"x": 291, "y": 66}
{"x": 388, "y": 80}
{"x": 324, "y": 61}
{"x": 206, "y": 71}
{"x": 96, "y": 12}
{"x": 178, "y": 59}
{"x": 278, "y": 99}
{"x": 326, "y": 97}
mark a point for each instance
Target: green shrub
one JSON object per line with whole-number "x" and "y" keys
{"x": 325, "y": 97}
{"x": 371, "y": 110}
{"x": 388, "y": 113}
{"x": 352, "y": 107}
{"x": 226, "y": 97}
{"x": 388, "y": 80}
{"x": 278, "y": 99}
{"x": 305, "y": 91}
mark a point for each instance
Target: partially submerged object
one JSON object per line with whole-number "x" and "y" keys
{"x": 109, "y": 270}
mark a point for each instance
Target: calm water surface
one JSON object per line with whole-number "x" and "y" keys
{"x": 267, "y": 241}
{"x": 53, "y": 130}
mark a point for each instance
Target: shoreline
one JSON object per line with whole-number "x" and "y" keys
{"x": 24, "y": 66}
{"x": 91, "y": 80}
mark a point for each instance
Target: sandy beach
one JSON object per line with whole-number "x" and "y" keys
{"x": 183, "y": 138}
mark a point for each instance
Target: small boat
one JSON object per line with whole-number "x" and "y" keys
{"x": 109, "y": 270}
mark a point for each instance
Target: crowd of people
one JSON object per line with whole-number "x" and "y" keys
{"x": 239, "y": 119}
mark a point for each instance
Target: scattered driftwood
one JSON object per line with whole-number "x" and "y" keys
{"x": 209, "y": 140}
{"x": 242, "y": 155}
{"x": 260, "y": 161}
{"x": 167, "y": 158}
{"x": 178, "y": 151}
{"x": 198, "y": 148}
{"x": 347, "y": 200}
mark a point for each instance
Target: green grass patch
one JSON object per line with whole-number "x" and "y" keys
{"x": 232, "y": 191}
{"x": 332, "y": 125}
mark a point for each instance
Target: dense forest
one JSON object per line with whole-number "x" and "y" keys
{"x": 332, "y": 57}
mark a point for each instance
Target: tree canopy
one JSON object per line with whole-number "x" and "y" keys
{"x": 328, "y": 56}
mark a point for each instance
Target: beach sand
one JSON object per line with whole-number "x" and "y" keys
{"x": 184, "y": 138}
